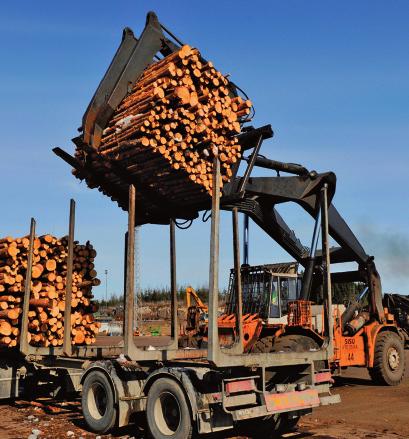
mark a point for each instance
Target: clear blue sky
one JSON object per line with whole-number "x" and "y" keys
{"x": 331, "y": 77}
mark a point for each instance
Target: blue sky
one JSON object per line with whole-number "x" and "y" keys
{"x": 331, "y": 78}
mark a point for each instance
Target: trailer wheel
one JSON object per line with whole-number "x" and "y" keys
{"x": 389, "y": 360}
{"x": 98, "y": 402}
{"x": 167, "y": 411}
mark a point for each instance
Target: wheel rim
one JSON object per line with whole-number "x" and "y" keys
{"x": 393, "y": 358}
{"x": 97, "y": 401}
{"x": 167, "y": 413}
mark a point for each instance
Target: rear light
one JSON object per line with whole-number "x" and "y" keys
{"x": 323, "y": 377}
{"x": 240, "y": 386}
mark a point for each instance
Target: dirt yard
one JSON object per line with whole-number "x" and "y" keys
{"x": 366, "y": 412}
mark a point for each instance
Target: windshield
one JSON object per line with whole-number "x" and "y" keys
{"x": 274, "y": 299}
{"x": 283, "y": 290}
{"x": 288, "y": 291}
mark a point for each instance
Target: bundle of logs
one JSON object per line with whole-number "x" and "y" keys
{"x": 177, "y": 117}
{"x": 48, "y": 287}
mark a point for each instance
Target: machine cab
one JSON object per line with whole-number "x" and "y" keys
{"x": 266, "y": 290}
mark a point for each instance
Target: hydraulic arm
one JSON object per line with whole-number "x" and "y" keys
{"x": 258, "y": 196}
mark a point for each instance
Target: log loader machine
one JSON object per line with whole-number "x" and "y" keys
{"x": 282, "y": 309}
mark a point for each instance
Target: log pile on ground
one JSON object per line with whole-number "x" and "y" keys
{"x": 179, "y": 114}
{"x": 47, "y": 300}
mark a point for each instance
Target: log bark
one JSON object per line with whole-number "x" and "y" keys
{"x": 47, "y": 301}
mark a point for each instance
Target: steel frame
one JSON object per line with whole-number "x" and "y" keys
{"x": 228, "y": 357}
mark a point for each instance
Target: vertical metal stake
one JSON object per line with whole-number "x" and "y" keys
{"x": 309, "y": 270}
{"x": 67, "y": 345}
{"x": 130, "y": 274}
{"x": 263, "y": 379}
{"x": 246, "y": 239}
{"x": 237, "y": 272}
{"x": 213, "y": 334}
{"x": 124, "y": 290}
{"x": 173, "y": 284}
{"x": 24, "y": 347}
{"x": 326, "y": 260}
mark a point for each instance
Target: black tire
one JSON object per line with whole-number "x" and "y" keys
{"x": 167, "y": 411}
{"x": 260, "y": 428}
{"x": 288, "y": 343}
{"x": 98, "y": 402}
{"x": 389, "y": 360}
{"x": 294, "y": 343}
{"x": 287, "y": 423}
{"x": 264, "y": 344}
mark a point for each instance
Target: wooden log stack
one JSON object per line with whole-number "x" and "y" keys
{"x": 179, "y": 114}
{"x": 48, "y": 287}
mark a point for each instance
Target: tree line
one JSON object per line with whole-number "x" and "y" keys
{"x": 341, "y": 293}
{"x": 160, "y": 295}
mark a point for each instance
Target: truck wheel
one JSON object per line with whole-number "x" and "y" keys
{"x": 389, "y": 360}
{"x": 98, "y": 402}
{"x": 167, "y": 411}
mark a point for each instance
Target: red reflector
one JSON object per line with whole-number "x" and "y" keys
{"x": 323, "y": 377}
{"x": 291, "y": 400}
{"x": 239, "y": 386}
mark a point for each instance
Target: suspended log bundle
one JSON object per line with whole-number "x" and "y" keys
{"x": 178, "y": 115}
{"x": 48, "y": 288}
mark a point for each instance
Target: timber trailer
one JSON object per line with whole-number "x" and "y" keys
{"x": 182, "y": 390}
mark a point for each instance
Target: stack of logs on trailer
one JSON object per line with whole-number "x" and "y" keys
{"x": 47, "y": 300}
{"x": 178, "y": 115}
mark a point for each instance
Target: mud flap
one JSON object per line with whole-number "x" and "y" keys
{"x": 330, "y": 399}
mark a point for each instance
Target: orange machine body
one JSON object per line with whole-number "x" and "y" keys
{"x": 358, "y": 349}
{"x": 349, "y": 350}
{"x": 252, "y": 326}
